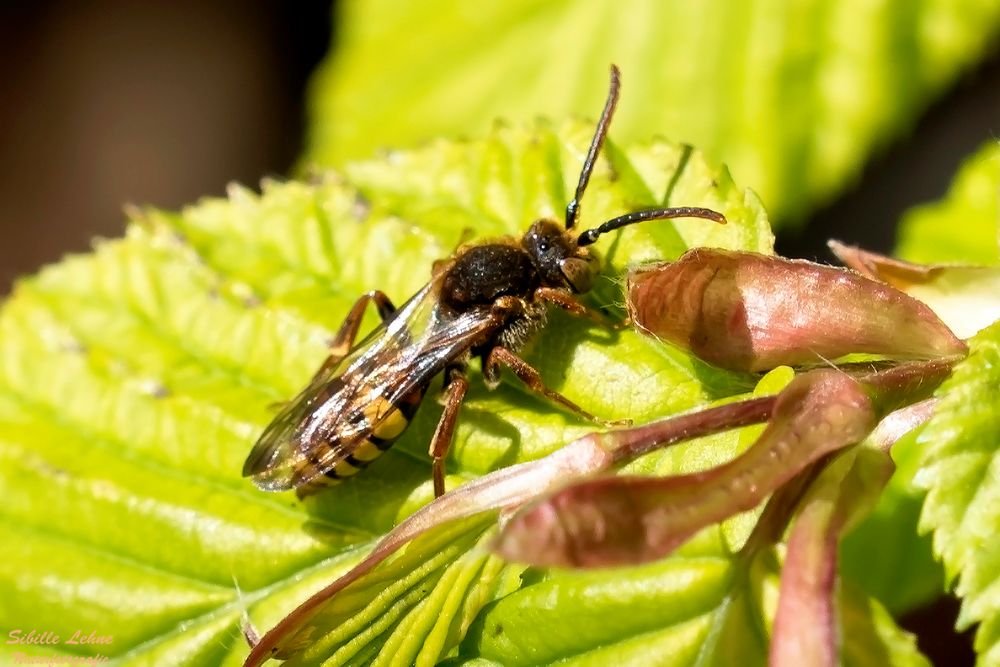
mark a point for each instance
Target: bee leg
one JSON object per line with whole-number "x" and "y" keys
{"x": 501, "y": 356}
{"x": 457, "y": 385}
{"x": 571, "y": 305}
{"x": 344, "y": 340}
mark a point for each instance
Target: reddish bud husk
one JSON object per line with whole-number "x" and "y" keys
{"x": 806, "y": 626}
{"x": 504, "y": 489}
{"x": 751, "y": 312}
{"x": 895, "y": 272}
{"x": 627, "y": 520}
{"x": 967, "y": 298}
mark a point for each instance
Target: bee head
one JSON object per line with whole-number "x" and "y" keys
{"x": 560, "y": 261}
{"x": 562, "y": 257}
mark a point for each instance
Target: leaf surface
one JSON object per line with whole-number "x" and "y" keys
{"x": 959, "y": 472}
{"x": 134, "y": 380}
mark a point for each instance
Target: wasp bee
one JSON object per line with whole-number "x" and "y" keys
{"x": 484, "y": 301}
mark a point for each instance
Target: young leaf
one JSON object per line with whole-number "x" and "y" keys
{"x": 959, "y": 473}
{"x": 964, "y": 227}
{"x": 794, "y": 98}
{"x": 626, "y": 520}
{"x": 745, "y": 311}
{"x": 806, "y": 629}
{"x": 886, "y": 553}
{"x": 134, "y": 380}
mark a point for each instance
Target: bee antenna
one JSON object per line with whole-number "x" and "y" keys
{"x": 573, "y": 208}
{"x": 589, "y": 236}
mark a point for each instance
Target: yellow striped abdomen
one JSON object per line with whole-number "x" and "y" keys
{"x": 390, "y": 421}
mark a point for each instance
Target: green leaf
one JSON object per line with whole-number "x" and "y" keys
{"x": 134, "y": 380}
{"x": 870, "y": 635}
{"x": 885, "y": 554}
{"x": 697, "y": 607}
{"x": 415, "y": 608}
{"x": 964, "y": 227}
{"x": 793, "y": 97}
{"x": 603, "y": 618}
{"x": 959, "y": 472}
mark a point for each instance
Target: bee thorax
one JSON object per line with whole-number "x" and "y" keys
{"x": 482, "y": 274}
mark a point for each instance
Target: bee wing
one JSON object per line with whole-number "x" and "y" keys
{"x": 282, "y": 448}
{"x": 327, "y": 420}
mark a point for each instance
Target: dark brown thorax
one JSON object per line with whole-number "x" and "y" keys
{"x": 483, "y": 273}
{"x": 546, "y": 256}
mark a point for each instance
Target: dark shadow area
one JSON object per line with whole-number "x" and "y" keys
{"x": 910, "y": 172}
{"x": 159, "y": 102}
{"x": 934, "y": 627}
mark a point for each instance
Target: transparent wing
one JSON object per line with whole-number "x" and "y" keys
{"x": 328, "y": 419}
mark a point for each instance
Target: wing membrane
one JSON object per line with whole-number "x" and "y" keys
{"x": 327, "y": 420}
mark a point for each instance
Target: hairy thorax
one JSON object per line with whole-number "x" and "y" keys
{"x": 482, "y": 274}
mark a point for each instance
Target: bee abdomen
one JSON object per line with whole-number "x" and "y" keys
{"x": 390, "y": 422}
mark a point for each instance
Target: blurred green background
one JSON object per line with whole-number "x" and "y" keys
{"x": 840, "y": 114}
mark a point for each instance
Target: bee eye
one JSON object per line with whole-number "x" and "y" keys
{"x": 543, "y": 246}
